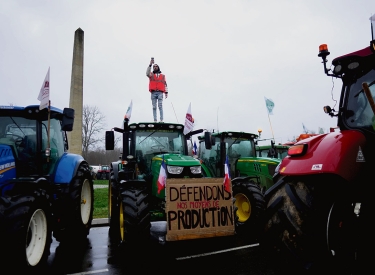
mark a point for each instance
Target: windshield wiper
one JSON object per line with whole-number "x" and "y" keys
{"x": 17, "y": 125}
{"x": 150, "y": 135}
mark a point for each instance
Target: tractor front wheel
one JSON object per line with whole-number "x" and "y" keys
{"x": 249, "y": 204}
{"x": 113, "y": 211}
{"x": 134, "y": 216}
{"x": 78, "y": 208}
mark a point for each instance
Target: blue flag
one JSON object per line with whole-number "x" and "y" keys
{"x": 269, "y": 105}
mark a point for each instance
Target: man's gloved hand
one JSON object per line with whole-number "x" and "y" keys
{"x": 166, "y": 95}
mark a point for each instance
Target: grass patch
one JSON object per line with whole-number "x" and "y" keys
{"x": 100, "y": 182}
{"x": 100, "y": 203}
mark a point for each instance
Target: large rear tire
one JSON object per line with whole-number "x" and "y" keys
{"x": 135, "y": 216}
{"x": 27, "y": 232}
{"x": 250, "y": 206}
{"x": 296, "y": 224}
{"x": 78, "y": 214}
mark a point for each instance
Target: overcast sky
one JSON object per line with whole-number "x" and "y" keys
{"x": 223, "y": 57}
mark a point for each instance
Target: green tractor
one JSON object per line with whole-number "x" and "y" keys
{"x": 251, "y": 176}
{"x": 157, "y": 190}
{"x": 273, "y": 150}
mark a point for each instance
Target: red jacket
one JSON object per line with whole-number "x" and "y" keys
{"x": 157, "y": 82}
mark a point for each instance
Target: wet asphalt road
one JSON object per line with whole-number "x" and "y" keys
{"x": 227, "y": 255}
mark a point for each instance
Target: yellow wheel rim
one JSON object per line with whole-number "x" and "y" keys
{"x": 121, "y": 218}
{"x": 243, "y": 207}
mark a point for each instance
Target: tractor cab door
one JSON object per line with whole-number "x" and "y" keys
{"x": 358, "y": 112}
{"x": 56, "y": 143}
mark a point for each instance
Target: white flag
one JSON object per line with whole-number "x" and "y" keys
{"x": 189, "y": 121}
{"x": 129, "y": 111}
{"x": 44, "y": 93}
{"x": 269, "y": 105}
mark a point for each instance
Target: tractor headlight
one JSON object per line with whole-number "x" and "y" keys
{"x": 195, "y": 169}
{"x": 175, "y": 169}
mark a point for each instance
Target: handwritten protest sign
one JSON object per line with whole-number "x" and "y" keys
{"x": 198, "y": 208}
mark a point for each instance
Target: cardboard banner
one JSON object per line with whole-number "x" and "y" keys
{"x": 198, "y": 208}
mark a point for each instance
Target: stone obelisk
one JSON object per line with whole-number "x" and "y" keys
{"x": 76, "y": 94}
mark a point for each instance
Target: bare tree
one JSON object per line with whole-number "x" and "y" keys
{"x": 92, "y": 127}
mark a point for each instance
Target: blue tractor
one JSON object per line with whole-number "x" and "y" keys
{"x": 44, "y": 190}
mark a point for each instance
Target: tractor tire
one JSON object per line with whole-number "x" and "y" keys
{"x": 113, "y": 211}
{"x": 27, "y": 232}
{"x": 79, "y": 208}
{"x": 99, "y": 176}
{"x": 93, "y": 175}
{"x": 249, "y": 204}
{"x": 134, "y": 216}
{"x": 296, "y": 225}
{"x": 349, "y": 236}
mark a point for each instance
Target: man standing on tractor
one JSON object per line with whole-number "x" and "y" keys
{"x": 157, "y": 87}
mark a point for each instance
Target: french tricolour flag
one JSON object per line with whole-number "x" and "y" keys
{"x": 195, "y": 148}
{"x": 227, "y": 175}
{"x": 162, "y": 176}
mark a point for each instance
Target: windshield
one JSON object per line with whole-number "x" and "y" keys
{"x": 21, "y": 134}
{"x": 266, "y": 153}
{"x": 162, "y": 141}
{"x": 235, "y": 148}
{"x": 359, "y": 113}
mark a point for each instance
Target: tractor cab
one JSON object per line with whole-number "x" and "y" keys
{"x": 357, "y": 71}
{"x": 146, "y": 144}
{"x": 35, "y": 142}
{"x": 240, "y": 147}
{"x": 235, "y": 145}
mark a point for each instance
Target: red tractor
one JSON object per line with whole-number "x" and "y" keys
{"x": 103, "y": 172}
{"x": 318, "y": 210}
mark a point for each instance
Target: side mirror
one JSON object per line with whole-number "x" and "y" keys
{"x": 109, "y": 140}
{"x": 67, "y": 119}
{"x": 208, "y": 140}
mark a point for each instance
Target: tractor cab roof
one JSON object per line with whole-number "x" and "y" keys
{"x": 31, "y": 111}
{"x": 361, "y": 53}
{"x": 232, "y": 134}
{"x": 156, "y": 126}
{"x": 355, "y": 63}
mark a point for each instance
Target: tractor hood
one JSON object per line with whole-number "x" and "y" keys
{"x": 178, "y": 160}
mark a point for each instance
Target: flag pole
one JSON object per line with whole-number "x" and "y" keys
{"x": 271, "y": 127}
{"x": 48, "y": 128}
